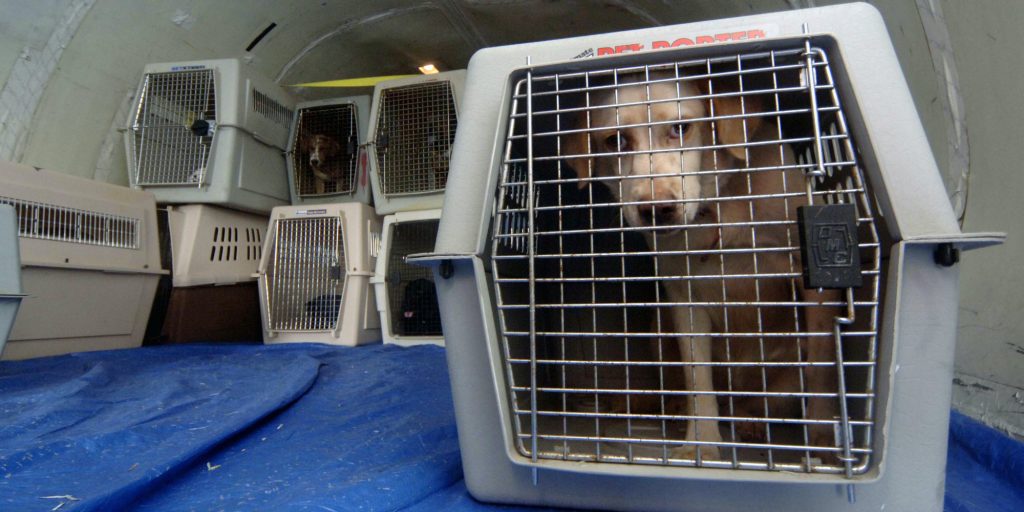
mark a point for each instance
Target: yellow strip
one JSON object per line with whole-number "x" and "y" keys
{"x": 368, "y": 81}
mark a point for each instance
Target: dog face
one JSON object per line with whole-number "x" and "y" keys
{"x": 321, "y": 149}
{"x": 656, "y": 137}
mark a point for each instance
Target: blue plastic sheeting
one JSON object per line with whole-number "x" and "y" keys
{"x": 985, "y": 470}
{"x": 289, "y": 427}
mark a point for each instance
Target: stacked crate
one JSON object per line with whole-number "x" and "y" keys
{"x": 412, "y": 128}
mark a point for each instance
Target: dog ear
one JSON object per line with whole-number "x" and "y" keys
{"x": 733, "y": 131}
{"x": 577, "y": 144}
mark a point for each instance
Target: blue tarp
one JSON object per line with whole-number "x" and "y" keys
{"x": 290, "y": 427}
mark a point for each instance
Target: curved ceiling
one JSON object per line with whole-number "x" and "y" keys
{"x": 321, "y": 39}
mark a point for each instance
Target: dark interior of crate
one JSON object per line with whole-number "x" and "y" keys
{"x": 411, "y": 293}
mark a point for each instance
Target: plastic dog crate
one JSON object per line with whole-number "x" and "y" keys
{"x": 211, "y": 131}
{"x": 10, "y": 272}
{"x": 406, "y": 298}
{"x": 412, "y": 125}
{"x": 314, "y": 278}
{"x": 326, "y": 161}
{"x": 213, "y": 254}
{"x": 630, "y": 326}
{"x": 214, "y": 246}
{"x": 90, "y": 262}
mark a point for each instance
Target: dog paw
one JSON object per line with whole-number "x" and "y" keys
{"x": 689, "y": 452}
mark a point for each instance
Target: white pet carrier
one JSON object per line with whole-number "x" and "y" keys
{"x": 90, "y": 262}
{"x": 627, "y": 328}
{"x": 10, "y": 272}
{"x": 211, "y": 131}
{"x": 213, "y": 254}
{"x": 412, "y": 126}
{"x": 214, "y": 246}
{"x": 314, "y": 278}
{"x": 406, "y": 298}
{"x": 326, "y": 160}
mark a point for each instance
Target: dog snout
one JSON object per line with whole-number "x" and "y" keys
{"x": 657, "y": 214}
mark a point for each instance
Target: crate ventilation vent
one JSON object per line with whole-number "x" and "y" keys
{"x": 63, "y": 224}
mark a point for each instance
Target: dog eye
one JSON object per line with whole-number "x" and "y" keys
{"x": 677, "y": 130}
{"x": 616, "y": 143}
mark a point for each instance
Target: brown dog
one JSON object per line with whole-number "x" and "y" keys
{"x": 700, "y": 177}
{"x": 323, "y": 160}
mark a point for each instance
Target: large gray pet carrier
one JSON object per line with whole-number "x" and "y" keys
{"x": 700, "y": 267}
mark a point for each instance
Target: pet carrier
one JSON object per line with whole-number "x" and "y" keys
{"x": 412, "y": 126}
{"x": 10, "y": 272}
{"x": 90, "y": 262}
{"x": 214, "y": 246}
{"x": 211, "y": 131}
{"x": 705, "y": 277}
{"x": 213, "y": 254}
{"x": 326, "y": 161}
{"x": 314, "y": 277}
{"x": 406, "y": 298}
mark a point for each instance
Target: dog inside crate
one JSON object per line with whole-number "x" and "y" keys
{"x": 410, "y": 288}
{"x": 650, "y": 283}
{"x": 326, "y": 150}
{"x": 415, "y": 131}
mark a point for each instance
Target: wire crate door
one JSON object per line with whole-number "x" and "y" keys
{"x": 415, "y": 130}
{"x": 325, "y": 152}
{"x": 412, "y": 298}
{"x": 601, "y": 285}
{"x": 173, "y": 128}
{"x": 306, "y": 277}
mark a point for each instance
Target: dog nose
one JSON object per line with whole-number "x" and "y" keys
{"x": 314, "y": 161}
{"x": 657, "y": 214}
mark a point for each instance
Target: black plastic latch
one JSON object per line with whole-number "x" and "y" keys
{"x": 447, "y": 270}
{"x": 829, "y": 246}
{"x": 947, "y": 255}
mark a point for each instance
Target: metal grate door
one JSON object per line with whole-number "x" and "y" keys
{"x": 306, "y": 275}
{"x": 172, "y": 134}
{"x": 632, "y": 227}
{"x": 63, "y": 224}
{"x": 410, "y": 288}
{"x": 331, "y": 132}
{"x": 415, "y": 129}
